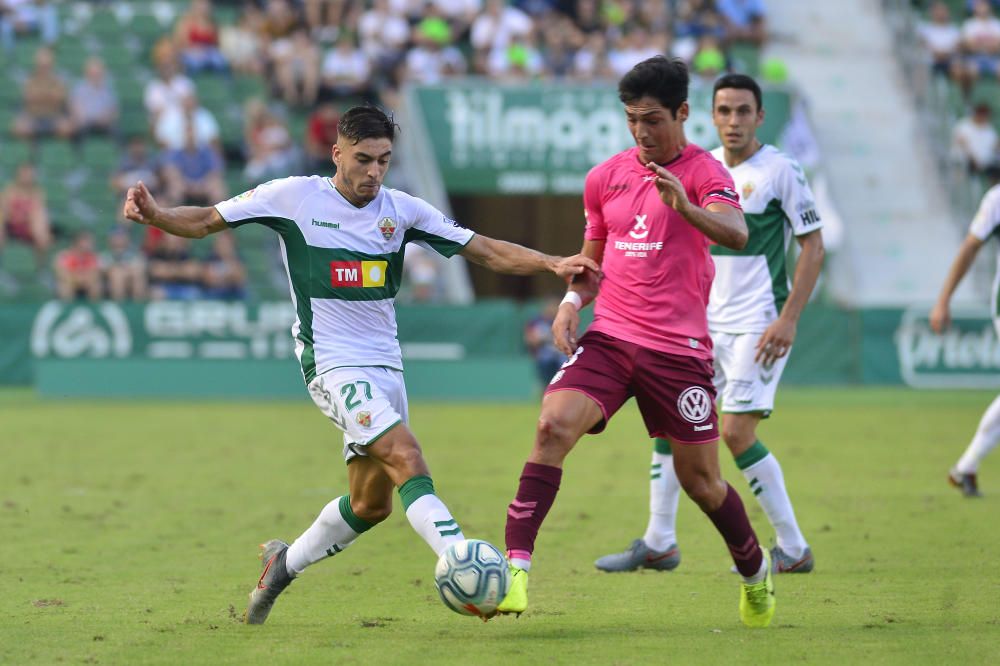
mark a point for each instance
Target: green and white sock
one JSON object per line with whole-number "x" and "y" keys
{"x": 763, "y": 473}
{"x": 335, "y": 529}
{"x": 664, "y": 492}
{"x": 428, "y": 515}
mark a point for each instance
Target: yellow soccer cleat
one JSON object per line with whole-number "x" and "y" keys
{"x": 757, "y": 599}
{"x": 516, "y": 600}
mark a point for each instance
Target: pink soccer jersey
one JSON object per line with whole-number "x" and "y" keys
{"x": 657, "y": 269}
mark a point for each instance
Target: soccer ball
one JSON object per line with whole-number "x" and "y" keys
{"x": 472, "y": 577}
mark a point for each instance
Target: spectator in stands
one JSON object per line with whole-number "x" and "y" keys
{"x": 123, "y": 268}
{"x": 519, "y": 59}
{"x": 197, "y": 38}
{"x": 495, "y": 28}
{"x": 172, "y": 126}
{"x": 23, "y": 16}
{"x": 560, "y": 41}
{"x": 45, "y": 109}
{"x": 709, "y": 62}
{"x": 329, "y": 20}
{"x": 321, "y": 134}
{"x": 268, "y": 144}
{"x": 194, "y": 173}
{"x": 24, "y": 215}
{"x": 173, "y": 273}
{"x": 942, "y": 39}
{"x": 433, "y": 58}
{"x": 975, "y": 140}
{"x": 296, "y": 67}
{"x": 169, "y": 89}
{"x": 78, "y": 271}
{"x": 346, "y": 71}
{"x": 695, "y": 19}
{"x": 224, "y": 276}
{"x": 654, "y": 15}
{"x": 383, "y": 33}
{"x": 981, "y": 42}
{"x": 280, "y": 19}
{"x": 94, "y": 104}
{"x": 591, "y": 60}
{"x": 538, "y": 340}
{"x": 242, "y": 43}
{"x": 632, "y": 48}
{"x": 744, "y": 20}
{"x": 137, "y": 164}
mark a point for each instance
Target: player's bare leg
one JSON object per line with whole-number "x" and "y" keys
{"x": 762, "y": 471}
{"x": 566, "y": 416}
{"x": 403, "y": 462}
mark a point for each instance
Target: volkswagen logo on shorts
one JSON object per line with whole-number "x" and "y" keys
{"x": 694, "y": 404}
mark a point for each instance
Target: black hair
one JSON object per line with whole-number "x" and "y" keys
{"x": 366, "y": 122}
{"x": 740, "y": 82}
{"x": 664, "y": 79}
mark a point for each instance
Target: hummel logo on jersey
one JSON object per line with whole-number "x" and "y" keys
{"x": 328, "y": 225}
{"x": 358, "y": 273}
{"x": 640, "y": 230}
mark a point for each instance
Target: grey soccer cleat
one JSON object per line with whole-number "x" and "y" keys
{"x": 782, "y": 562}
{"x": 273, "y": 579}
{"x": 640, "y": 556}
{"x": 967, "y": 483}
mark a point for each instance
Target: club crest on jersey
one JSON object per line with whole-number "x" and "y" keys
{"x": 640, "y": 230}
{"x": 748, "y": 189}
{"x": 387, "y": 226}
{"x": 364, "y": 419}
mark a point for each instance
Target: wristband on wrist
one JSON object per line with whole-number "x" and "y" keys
{"x": 574, "y": 298}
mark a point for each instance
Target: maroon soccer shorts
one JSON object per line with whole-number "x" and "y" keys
{"x": 674, "y": 393}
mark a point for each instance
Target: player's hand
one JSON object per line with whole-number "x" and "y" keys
{"x": 565, "y": 327}
{"x": 775, "y": 342}
{"x": 671, "y": 189}
{"x": 940, "y": 318}
{"x": 567, "y": 267}
{"x": 140, "y": 206}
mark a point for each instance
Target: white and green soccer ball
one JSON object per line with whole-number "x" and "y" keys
{"x": 472, "y": 577}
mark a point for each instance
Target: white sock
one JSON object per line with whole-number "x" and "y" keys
{"x": 768, "y": 485}
{"x": 985, "y": 440}
{"x": 329, "y": 534}
{"x": 664, "y": 492}
{"x": 431, "y": 519}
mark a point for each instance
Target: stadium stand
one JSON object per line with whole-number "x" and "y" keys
{"x": 130, "y": 36}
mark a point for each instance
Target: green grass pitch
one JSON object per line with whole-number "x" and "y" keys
{"x": 129, "y": 532}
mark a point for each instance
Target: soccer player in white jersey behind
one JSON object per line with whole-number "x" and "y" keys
{"x": 752, "y": 319}
{"x": 985, "y": 225}
{"x": 342, "y": 242}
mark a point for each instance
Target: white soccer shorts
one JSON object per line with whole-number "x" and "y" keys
{"x": 363, "y": 402}
{"x": 744, "y": 385}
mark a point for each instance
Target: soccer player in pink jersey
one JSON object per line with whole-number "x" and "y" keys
{"x": 652, "y": 212}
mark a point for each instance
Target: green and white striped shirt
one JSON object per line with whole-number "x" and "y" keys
{"x": 344, "y": 264}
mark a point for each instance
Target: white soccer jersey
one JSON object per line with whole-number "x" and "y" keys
{"x": 984, "y": 225}
{"x": 751, "y": 284}
{"x": 344, "y": 264}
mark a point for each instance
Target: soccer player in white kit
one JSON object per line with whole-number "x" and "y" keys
{"x": 342, "y": 243}
{"x": 985, "y": 225}
{"x": 752, "y": 319}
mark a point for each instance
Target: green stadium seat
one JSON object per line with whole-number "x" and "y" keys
{"x": 56, "y": 156}
{"x": 745, "y": 58}
{"x": 100, "y": 154}
{"x": 13, "y": 153}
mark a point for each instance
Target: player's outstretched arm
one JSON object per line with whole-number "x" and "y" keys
{"x": 187, "y": 221}
{"x": 940, "y": 317}
{"x": 779, "y": 336}
{"x": 721, "y": 223}
{"x": 504, "y": 257}
{"x": 583, "y": 289}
